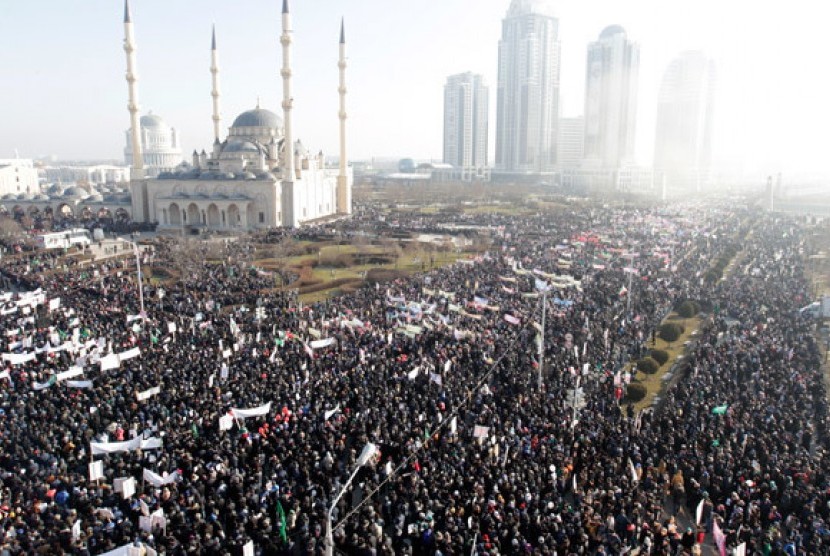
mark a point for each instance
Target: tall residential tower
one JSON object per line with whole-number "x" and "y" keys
{"x": 466, "y": 108}
{"x": 685, "y": 114}
{"x": 528, "y": 89}
{"x": 611, "y": 99}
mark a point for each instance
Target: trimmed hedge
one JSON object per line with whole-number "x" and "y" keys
{"x": 688, "y": 309}
{"x": 659, "y": 355}
{"x": 635, "y": 392}
{"x": 670, "y": 331}
{"x": 648, "y": 365}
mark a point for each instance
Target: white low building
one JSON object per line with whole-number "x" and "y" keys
{"x": 18, "y": 176}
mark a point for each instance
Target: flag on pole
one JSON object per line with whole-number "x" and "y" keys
{"x": 720, "y": 410}
{"x": 699, "y": 513}
{"x": 720, "y": 538}
{"x": 283, "y": 527}
{"x": 635, "y": 477}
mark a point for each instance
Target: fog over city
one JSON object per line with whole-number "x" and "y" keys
{"x": 65, "y": 93}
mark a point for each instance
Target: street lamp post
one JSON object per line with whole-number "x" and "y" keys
{"x": 140, "y": 280}
{"x": 367, "y": 454}
{"x": 542, "y": 343}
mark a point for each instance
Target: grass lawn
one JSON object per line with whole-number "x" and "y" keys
{"x": 654, "y": 383}
{"x": 404, "y": 257}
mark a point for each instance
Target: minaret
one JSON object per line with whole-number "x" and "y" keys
{"x": 214, "y": 72}
{"x": 137, "y": 171}
{"x": 288, "y": 175}
{"x": 344, "y": 193}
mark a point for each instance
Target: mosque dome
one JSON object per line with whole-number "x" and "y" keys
{"x": 258, "y": 117}
{"x": 611, "y": 31}
{"x": 41, "y": 197}
{"x": 240, "y": 147}
{"x": 55, "y": 190}
{"x": 153, "y": 120}
{"x": 76, "y": 192}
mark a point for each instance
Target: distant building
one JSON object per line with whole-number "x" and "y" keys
{"x": 466, "y": 108}
{"x": 685, "y": 114}
{"x": 611, "y": 100}
{"x": 93, "y": 175}
{"x": 159, "y": 146}
{"x": 570, "y": 145}
{"x": 528, "y": 89}
{"x": 18, "y": 176}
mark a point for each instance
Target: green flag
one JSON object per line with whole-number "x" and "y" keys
{"x": 283, "y": 527}
{"x": 194, "y": 430}
{"x": 719, "y": 410}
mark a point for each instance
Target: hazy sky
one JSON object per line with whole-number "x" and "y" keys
{"x": 64, "y": 91}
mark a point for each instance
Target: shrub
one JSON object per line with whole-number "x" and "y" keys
{"x": 713, "y": 276}
{"x": 659, "y": 355}
{"x": 688, "y": 309}
{"x": 635, "y": 392}
{"x": 670, "y": 331}
{"x": 648, "y": 365}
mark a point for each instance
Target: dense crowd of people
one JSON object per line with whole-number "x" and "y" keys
{"x": 481, "y": 444}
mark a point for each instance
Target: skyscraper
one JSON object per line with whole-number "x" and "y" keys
{"x": 466, "y": 109}
{"x": 611, "y": 99}
{"x": 685, "y": 113}
{"x": 528, "y": 89}
{"x": 570, "y": 144}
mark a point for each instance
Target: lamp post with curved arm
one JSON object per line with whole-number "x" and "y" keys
{"x": 366, "y": 455}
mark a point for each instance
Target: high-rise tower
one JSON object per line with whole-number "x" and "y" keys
{"x": 685, "y": 114}
{"x": 466, "y": 109}
{"x": 611, "y": 99}
{"x": 528, "y": 89}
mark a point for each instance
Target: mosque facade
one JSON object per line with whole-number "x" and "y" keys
{"x": 256, "y": 176}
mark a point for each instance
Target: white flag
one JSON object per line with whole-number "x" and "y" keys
{"x": 129, "y": 354}
{"x": 330, "y": 412}
{"x": 699, "y": 513}
{"x": 110, "y": 361}
{"x": 149, "y": 393}
{"x": 96, "y": 470}
{"x": 252, "y": 412}
{"x": 316, "y": 344}
{"x": 158, "y": 480}
{"x": 225, "y": 423}
{"x": 634, "y": 476}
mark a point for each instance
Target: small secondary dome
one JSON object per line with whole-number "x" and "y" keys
{"x": 258, "y": 117}
{"x": 152, "y": 120}
{"x": 611, "y": 31}
{"x": 75, "y": 191}
{"x": 239, "y": 147}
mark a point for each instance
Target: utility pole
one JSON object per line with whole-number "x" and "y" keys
{"x": 542, "y": 343}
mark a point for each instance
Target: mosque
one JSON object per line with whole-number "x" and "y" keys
{"x": 257, "y": 176}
